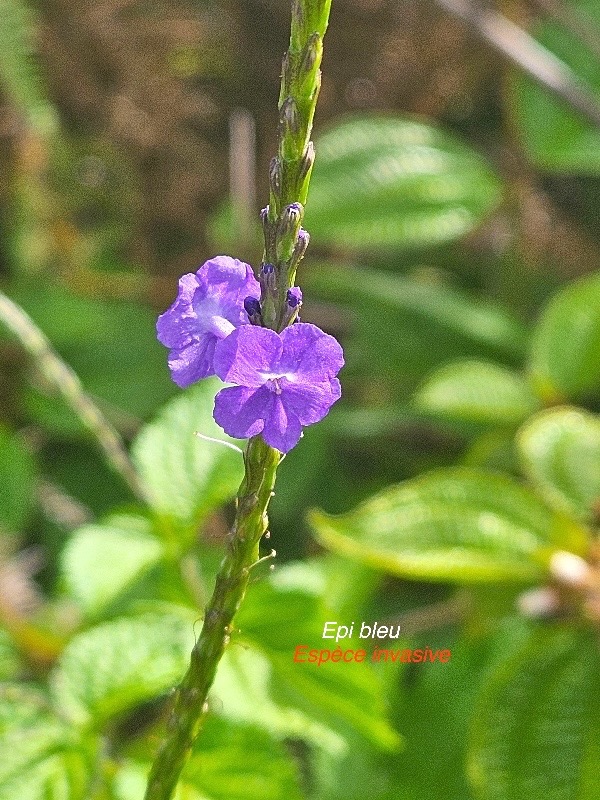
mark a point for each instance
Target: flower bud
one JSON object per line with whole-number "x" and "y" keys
{"x": 275, "y": 176}
{"x": 293, "y": 301}
{"x": 312, "y": 53}
{"x": 539, "y": 603}
{"x": 288, "y": 117}
{"x": 290, "y": 220}
{"x": 268, "y": 279}
{"x": 252, "y": 308}
{"x": 286, "y": 71}
{"x": 302, "y": 241}
{"x": 308, "y": 159}
{"x": 294, "y": 297}
{"x": 569, "y": 568}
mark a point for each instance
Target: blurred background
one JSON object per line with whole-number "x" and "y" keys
{"x": 453, "y": 195}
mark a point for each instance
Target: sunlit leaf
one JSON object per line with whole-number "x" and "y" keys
{"x": 455, "y": 525}
{"x": 560, "y": 449}
{"x": 115, "y": 666}
{"x": 10, "y": 661}
{"x": 536, "y": 730}
{"x": 230, "y": 762}
{"x": 100, "y": 562}
{"x": 477, "y": 391}
{"x": 396, "y": 182}
{"x": 565, "y": 351}
{"x": 187, "y": 477}
{"x": 336, "y": 693}
{"x": 40, "y": 756}
{"x": 244, "y": 692}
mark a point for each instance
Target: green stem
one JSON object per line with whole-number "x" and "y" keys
{"x": 291, "y": 168}
{"x": 284, "y": 247}
{"x": 242, "y": 553}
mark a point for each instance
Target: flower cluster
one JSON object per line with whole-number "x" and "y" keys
{"x": 281, "y": 381}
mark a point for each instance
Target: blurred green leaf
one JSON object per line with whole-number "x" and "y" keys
{"x": 113, "y": 667}
{"x": 17, "y": 476}
{"x": 477, "y": 391}
{"x": 230, "y": 762}
{"x": 186, "y": 476}
{"x": 100, "y": 562}
{"x": 111, "y": 346}
{"x": 40, "y": 756}
{"x": 536, "y": 728}
{"x": 243, "y": 691}
{"x": 452, "y": 525}
{"x": 560, "y": 449}
{"x": 565, "y": 141}
{"x": 10, "y": 662}
{"x": 395, "y": 182}
{"x": 336, "y": 692}
{"x": 20, "y": 75}
{"x": 565, "y": 351}
{"x": 478, "y": 323}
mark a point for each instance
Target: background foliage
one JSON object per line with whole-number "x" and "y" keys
{"x": 454, "y": 249}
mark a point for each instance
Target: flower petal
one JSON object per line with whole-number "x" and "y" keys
{"x": 309, "y": 402}
{"x": 282, "y": 430}
{"x": 192, "y": 362}
{"x": 209, "y": 305}
{"x": 247, "y": 355}
{"x": 228, "y": 282}
{"x": 310, "y": 353}
{"x": 175, "y": 327}
{"x": 241, "y": 411}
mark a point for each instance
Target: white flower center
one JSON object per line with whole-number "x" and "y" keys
{"x": 211, "y": 320}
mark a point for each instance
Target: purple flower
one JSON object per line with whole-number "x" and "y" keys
{"x": 209, "y": 306}
{"x": 284, "y": 381}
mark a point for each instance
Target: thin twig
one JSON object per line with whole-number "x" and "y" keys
{"x": 529, "y": 55}
{"x": 242, "y": 170}
{"x": 581, "y": 25}
{"x": 68, "y": 385}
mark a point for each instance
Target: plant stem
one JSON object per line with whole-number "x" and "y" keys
{"x": 285, "y": 243}
{"x": 242, "y": 553}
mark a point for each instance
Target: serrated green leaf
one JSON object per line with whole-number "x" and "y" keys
{"x": 536, "y": 730}
{"x": 186, "y": 476}
{"x": 100, "y": 562}
{"x": 286, "y": 611}
{"x": 229, "y": 762}
{"x": 382, "y": 182}
{"x": 477, "y": 391}
{"x": 17, "y": 473}
{"x": 113, "y": 667}
{"x": 565, "y": 351}
{"x": 566, "y": 141}
{"x": 560, "y": 450}
{"x": 243, "y": 692}
{"x": 40, "y": 757}
{"x": 452, "y": 525}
